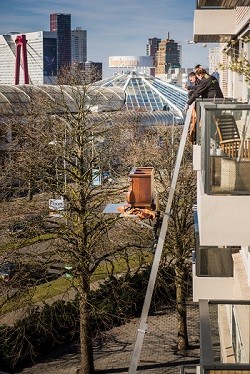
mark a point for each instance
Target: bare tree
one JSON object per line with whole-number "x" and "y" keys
{"x": 158, "y": 147}
{"x": 64, "y": 148}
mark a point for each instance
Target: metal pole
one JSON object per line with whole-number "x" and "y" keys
{"x": 145, "y": 310}
{"x": 18, "y": 60}
{"x": 64, "y": 158}
{"x": 25, "y": 60}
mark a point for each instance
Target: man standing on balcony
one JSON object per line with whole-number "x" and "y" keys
{"x": 208, "y": 87}
{"x": 192, "y": 84}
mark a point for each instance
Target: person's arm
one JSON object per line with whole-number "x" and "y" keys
{"x": 202, "y": 86}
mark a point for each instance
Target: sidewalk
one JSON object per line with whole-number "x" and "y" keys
{"x": 112, "y": 353}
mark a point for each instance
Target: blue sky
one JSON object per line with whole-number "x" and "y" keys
{"x": 114, "y": 28}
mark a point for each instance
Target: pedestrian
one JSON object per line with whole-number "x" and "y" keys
{"x": 208, "y": 87}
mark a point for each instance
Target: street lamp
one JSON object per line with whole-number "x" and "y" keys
{"x": 57, "y": 205}
{"x": 54, "y": 143}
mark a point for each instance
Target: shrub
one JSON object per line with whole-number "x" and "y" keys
{"x": 114, "y": 303}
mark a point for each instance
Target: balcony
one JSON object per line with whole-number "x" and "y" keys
{"x": 213, "y": 270}
{"x": 224, "y": 337}
{"x": 215, "y": 262}
{"x": 225, "y": 145}
{"x": 223, "y": 174}
{"x": 222, "y": 3}
{"x": 214, "y": 25}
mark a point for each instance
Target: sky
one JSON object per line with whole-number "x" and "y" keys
{"x": 114, "y": 28}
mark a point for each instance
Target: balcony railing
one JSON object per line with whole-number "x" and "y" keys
{"x": 224, "y": 336}
{"x": 224, "y": 136}
{"x": 215, "y": 261}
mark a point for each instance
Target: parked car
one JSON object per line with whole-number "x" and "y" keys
{"x": 7, "y": 270}
{"x": 16, "y": 228}
{"x": 30, "y": 226}
{"x": 23, "y": 274}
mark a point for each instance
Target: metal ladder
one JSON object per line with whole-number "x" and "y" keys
{"x": 135, "y": 358}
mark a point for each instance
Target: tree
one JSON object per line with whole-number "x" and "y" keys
{"x": 238, "y": 61}
{"x": 158, "y": 148}
{"x": 240, "y": 65}
{"x": 180, "y": 240}
{"x": 64, "y": 148}
{"x": 72, "y": 148}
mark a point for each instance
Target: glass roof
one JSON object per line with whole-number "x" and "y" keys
{"x": 12, "y": 94}
{"x": 107, "y": 98}
{"x": 148, "y": 93}
{"x": 131, "y": 90}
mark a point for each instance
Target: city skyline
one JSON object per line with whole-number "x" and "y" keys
{"x": 113, "y": 28}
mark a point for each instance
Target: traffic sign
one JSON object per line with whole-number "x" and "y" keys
{"x": 56, "y": 204}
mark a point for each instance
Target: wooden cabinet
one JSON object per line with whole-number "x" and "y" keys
{"x": 141, "y": 191}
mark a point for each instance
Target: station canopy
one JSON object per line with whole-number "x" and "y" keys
{"x": 18, "y": 97}
{"x": 148, "y": 93}
{"x": 132, "y": 91}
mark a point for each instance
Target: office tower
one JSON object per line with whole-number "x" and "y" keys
{"x": 151, "y": 49}
{"x": 78, "y": 45}
{"x": 61, "y": 24}
{"x": 152, "y": 46}
{"x": 41, "y": 58}
{"x": 168, "y": 56}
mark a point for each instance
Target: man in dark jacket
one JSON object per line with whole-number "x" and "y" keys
{"x": 192, "y": 83}
{"x": 208, "y": 87}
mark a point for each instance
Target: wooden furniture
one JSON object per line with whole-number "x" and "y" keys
{"x": 141, "y": 191}
{"x": 229, "y": 136}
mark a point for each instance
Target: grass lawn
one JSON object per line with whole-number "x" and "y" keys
{"x": 63, "y": 285}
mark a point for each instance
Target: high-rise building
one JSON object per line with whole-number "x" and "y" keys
{"x": 78, "y": 45}
{"x": 168, "y": 56}
{"x": 151, "y": 49}
{"x": 61, "y": 24}
{"x": 152, "y": 46}
{"x": 47, "y": 52}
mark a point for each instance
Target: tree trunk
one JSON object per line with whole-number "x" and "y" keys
{"x": 181, "y": 309}
{"x": 87, "y": 359}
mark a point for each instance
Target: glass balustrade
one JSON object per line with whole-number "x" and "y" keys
{"x": 223, "y": 131}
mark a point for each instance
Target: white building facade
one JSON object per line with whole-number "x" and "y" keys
{"x": 41, "y": 57}
{"x": 227, "y": 24}
{"x": 221, "y": 262}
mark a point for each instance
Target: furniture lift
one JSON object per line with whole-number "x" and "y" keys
{"x": 158, "y": 251}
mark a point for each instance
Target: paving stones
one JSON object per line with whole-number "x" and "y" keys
{"x": 112, "y": 351}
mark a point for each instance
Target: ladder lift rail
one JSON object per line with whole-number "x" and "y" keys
{"x": 135, "y": 358}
